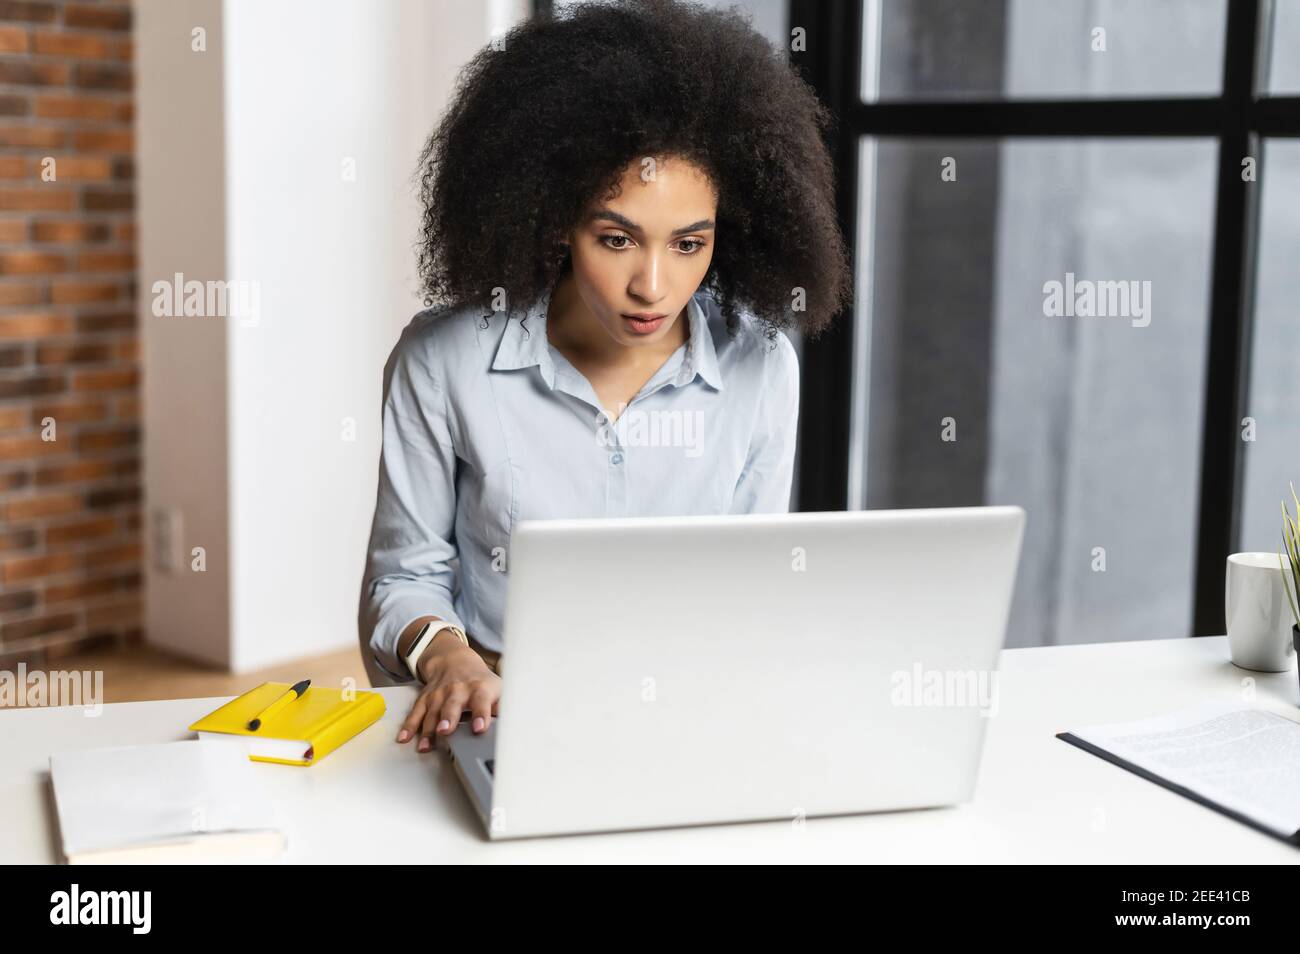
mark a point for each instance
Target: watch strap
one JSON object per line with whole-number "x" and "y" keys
{"x": 424, "y": 637}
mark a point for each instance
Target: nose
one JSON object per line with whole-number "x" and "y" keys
{"x": 647, "y": 283}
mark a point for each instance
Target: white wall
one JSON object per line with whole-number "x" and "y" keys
{"x": 306, "y": 87}
{"x": 182, "y": 222}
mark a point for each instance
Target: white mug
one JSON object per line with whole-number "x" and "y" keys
{"x": 1258, "y": 613}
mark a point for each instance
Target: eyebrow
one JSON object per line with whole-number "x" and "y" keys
{"x": 628, "y": 224}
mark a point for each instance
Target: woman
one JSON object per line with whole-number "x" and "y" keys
{"x": 609, "y": 202}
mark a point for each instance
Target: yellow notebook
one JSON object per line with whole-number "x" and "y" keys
{"x": 302, "y": 733}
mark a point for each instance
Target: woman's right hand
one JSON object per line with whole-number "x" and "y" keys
{"x": 455, "y": 679}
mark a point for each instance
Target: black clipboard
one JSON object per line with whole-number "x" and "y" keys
{"x": 1293, "y": 839}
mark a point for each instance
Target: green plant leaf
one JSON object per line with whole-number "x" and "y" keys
{"x": 1291, "y": 537}
{"x": 1286, "y": 586}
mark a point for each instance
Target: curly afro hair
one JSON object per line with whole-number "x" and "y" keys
{"x": 545, "y": 122}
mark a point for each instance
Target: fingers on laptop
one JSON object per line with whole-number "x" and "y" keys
{"x": 482, "y": 703}
{"x": 447, "y": 708}
{"x": 443, "y": 716}
{"x": 478, "y": 701}
{"x": 438, "y": 711}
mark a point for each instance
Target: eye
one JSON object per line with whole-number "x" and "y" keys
{"x": 688, "y": 246}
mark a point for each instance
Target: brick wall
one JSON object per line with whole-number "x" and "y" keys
{"x": 70, "y": 539}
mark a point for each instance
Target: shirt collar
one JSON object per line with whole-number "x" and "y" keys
{"x": 522, "y": 347}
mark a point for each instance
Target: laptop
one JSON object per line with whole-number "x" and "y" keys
{"x": 676, "y": 671}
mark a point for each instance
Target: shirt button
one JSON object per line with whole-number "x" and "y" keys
{"x": 617, "y": 458}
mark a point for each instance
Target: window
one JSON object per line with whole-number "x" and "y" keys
{"x": 980, "y": 391}
{"x": 987, "y": 150}
{"x": 1283, "y": 76}
{"x": 1272, "y": 414}
{"x": 1034, "y": 49}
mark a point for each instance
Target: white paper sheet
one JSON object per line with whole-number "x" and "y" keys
{"x": 140, "y": 795}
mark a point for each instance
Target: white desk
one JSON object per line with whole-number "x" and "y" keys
{"x": 1038, "y": 798}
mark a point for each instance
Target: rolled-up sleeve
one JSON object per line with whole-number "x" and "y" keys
{"x": 412, "y": 536}
{"x": 765, "y": 483}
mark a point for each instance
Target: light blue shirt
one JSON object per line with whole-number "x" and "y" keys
{"x": 486, "y": 423}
